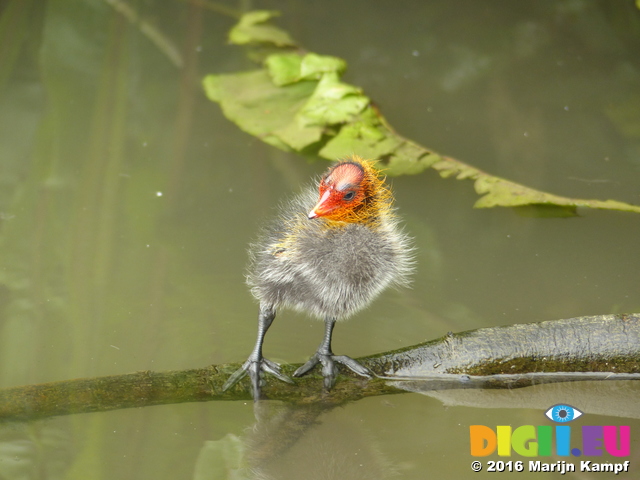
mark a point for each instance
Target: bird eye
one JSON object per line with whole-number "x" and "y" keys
{"x": 562, "y": 413}
{"x": 349, "y": 196}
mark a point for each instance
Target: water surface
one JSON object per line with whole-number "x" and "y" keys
{"x": 128, "y": 200}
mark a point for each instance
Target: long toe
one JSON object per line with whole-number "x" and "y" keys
{"x": 329, "y": 369}
{"x": 274, "y": 369}
{"x": 307, "y": 367}
{"x": 255, "y": 370}
{"x": 354, "y": 366}
{"x": 236, "y": 376}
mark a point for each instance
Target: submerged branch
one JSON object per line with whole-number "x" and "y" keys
{"x": 496, "y": 357}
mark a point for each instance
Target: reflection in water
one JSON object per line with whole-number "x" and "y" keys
{"x": 617, "y": 398}
{"x": 293, "y": 442}
{"x": 35, "y": 451}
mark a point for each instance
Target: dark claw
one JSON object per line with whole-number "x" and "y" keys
{"x": 274, "y": 369}
{"x": 329, "y": 370}
{"x": 354, "y": 366}
{"x": 236, "y": 376}
{"x": 255, "y": 368}
{"x": 307, "y": 367}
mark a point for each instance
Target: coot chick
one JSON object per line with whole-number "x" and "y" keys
{"x": 329, "y": 257}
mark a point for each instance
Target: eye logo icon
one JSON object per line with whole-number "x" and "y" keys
{"x": 562, "y": 413}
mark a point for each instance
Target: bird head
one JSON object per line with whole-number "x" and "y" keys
{"x": 349, "y": 192}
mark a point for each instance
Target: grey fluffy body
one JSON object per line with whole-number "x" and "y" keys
{"x": 326, "y": 272}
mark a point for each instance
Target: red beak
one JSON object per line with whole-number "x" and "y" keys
{"x": 321, "y": 207}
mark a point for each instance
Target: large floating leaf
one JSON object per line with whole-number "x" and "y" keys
{"x": 297, "y": 102}
{"x": 332, "y": 118}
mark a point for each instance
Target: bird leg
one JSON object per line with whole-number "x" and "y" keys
{"x": 256, "y": 363}
{"x": 325, "y": 356}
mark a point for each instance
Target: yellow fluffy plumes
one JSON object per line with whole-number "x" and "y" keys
{"x": 377, "y": 200}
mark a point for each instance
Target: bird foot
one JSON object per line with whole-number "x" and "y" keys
{"x": 255, "y": 368}
{"x": 329, "y": 369}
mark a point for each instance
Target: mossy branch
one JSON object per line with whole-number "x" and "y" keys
{"x": 495, "y": 357}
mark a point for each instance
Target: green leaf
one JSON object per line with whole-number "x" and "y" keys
{"x": 253, "y": 27}
{"x": 263, "y": 109}
{"x": 332, "y": 102}
{"x": 314, "y": 65}
{"x": 299, "y": 137}
{"x": 410, "y": 159}
{"x": 298, "y": 103}
{"x": 284, "y": 69}
{"x": 361, "y": 139}
{"x": 498, "y": 192}
{"x": 289, "y": 68}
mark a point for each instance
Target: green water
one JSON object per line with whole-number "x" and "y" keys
{"x": 127, "y": 201}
